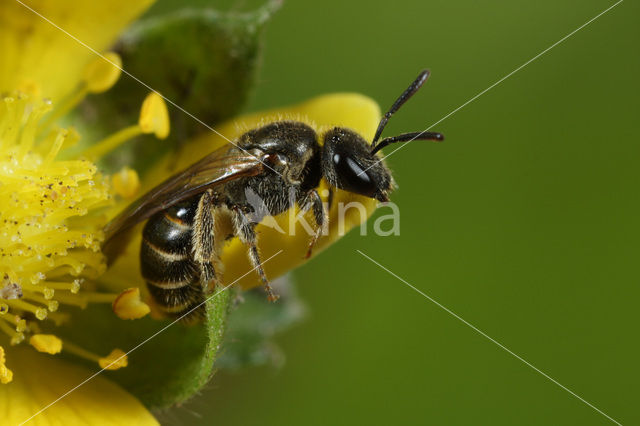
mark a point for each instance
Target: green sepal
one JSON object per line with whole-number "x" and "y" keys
{"x": 168, "y": 362}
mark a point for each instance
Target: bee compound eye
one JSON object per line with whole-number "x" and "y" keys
{"x": 352, "y": 176}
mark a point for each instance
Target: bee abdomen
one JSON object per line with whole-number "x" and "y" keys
{"x": 169, "y": 233}
{"x": 158, "y": 265}
{"x": 166, "y": 262}
{"x": 178, "y": 299}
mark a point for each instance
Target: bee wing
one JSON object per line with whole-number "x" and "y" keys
{"x": 220, "y": 166}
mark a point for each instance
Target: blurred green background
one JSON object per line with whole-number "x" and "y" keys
{"x": 525, "y": 222}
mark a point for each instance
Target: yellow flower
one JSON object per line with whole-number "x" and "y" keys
{"x": 54, "y": 207}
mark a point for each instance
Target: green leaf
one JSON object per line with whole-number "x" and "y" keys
{"x": 202, "y": 60}
{"x": 168, "y": 363}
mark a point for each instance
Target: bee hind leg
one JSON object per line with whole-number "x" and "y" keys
{"x": 314, "y": 202}
{"x": 244, "y": 229}
{"x": 203, "y": 239}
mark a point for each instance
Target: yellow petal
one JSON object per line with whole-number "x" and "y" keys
{"x": 37, "y": 55}
{"x": 40, "y": 379}
{"x": 355, "y": 111}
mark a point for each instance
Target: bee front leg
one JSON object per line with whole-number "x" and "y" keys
{"x": 244, "y": 229}
{"x": 203, "y": 239}
{"x": 313, "y": 201}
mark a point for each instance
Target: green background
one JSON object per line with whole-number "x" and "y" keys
{"x": 525, "y": 222}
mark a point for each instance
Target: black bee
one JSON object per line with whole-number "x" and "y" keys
{"x": 281, "y": 163}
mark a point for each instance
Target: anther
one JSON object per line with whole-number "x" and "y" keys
{"x": 126, "y": 183}
{"x": 47, "y": 343}
{"x": 128, "y": 305}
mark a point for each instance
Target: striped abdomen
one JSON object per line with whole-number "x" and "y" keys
{"x": 172, "y": 277}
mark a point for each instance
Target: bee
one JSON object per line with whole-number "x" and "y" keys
{"x": 191, "y": 214}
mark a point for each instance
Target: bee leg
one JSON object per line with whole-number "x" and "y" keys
{"x": 313, "y": 200}
{"x": 203, "y": 239}
{"x": 247, "y": 234}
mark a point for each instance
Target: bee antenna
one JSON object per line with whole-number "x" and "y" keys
{"x": 404, "y": 97}
{"x": 408, "y": 137}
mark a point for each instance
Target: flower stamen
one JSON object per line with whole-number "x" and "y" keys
{"x": 114, "y": 361}
{"x": 39, "y": 312}
{"x": 83, "y": 299}
{"x": 15, "y": 337}
{"x": 19, "y": 323}
{"x": 51, "y": 229}
{"x": 99, "y": 76}
{"x": 72, "y": 287}
{"x": 128, "y": 305}
{"x": 52, "y": 305}
{"x": 47, "y": 292}
{"x": 154, "y": 118}
{"x": 28, "y": 135}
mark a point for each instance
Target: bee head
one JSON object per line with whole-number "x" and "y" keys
{"x": 349, "y": 164}
{"x": 352, "y": 164}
